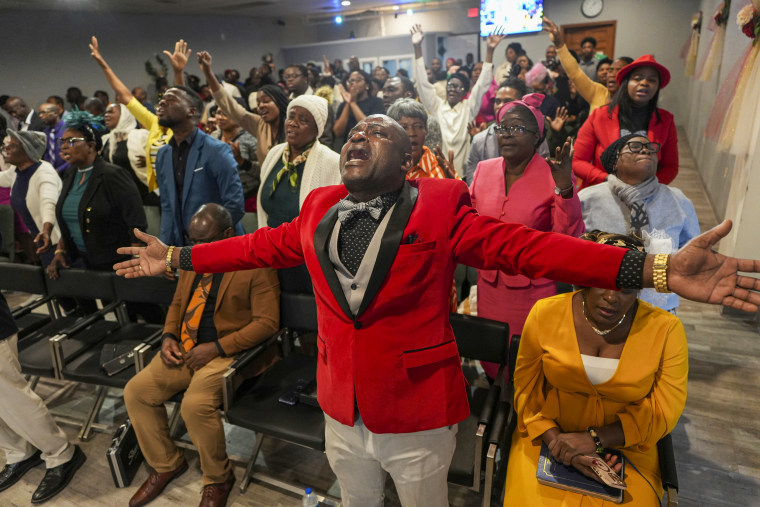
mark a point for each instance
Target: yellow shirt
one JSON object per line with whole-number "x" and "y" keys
{"x": 596, "y": 94}
{"x": 646, "y": 394}
{"x": 158, "y": 136}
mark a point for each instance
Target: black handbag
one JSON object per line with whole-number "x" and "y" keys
{"x": 124, "y": 455}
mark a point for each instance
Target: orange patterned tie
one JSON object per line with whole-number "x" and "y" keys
{"x": 189, "y": 330}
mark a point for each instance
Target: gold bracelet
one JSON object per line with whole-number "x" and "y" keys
{"x": 169, "y": 258}
{"x": 59, "y": 251}
{"x": 660, "y": 272}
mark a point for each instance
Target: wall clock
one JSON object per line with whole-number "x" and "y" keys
{"x": 592, "y": 8}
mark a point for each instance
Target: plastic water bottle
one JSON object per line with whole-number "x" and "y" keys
{"x": 310, "y": 498}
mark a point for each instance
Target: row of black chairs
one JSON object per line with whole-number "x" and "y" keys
{"x": 70, "y": 348}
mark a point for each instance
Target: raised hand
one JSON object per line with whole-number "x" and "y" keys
{"x": 554, "y": 33}
{"x": 326, "y": 63}
{"x": 149, "y": 260}
{"x": 345, "y": 94}
{"x": 698, "y": 273}
{"x": 417, "y": 34}
{"x": 204, "y": 60}
{"x": 95, "y": 51}
{"x": 498, "y": 35}
{"x": 562, "y": 165}
{"x": 447, "y": 165}
{"x": 559, "y": 119}
{"x": 179, "y": 58}
{"x": 474, "y": 129}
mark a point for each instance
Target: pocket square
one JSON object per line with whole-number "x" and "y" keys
{"x": 412, "y": 238}
{"x": 198, "y": 169}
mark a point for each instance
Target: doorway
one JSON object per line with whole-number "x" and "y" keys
{"x": 603, "y": 32}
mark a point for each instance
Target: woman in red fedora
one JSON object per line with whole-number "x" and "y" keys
{"x": 633, "y": 110}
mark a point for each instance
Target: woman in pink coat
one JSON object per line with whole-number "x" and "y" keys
{"x": 521, "y": 187}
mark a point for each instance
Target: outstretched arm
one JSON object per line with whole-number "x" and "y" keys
{"x": 123, "y": 95}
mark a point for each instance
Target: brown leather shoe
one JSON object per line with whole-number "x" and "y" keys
{"x": 154, "y": 485}
{"x": 215, "y": 495}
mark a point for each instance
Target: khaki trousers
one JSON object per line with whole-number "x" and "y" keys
{"x": 25, "y": 423}
{"x": 145, "y": 395}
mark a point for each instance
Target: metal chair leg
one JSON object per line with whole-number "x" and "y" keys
{"x": 85, "y": 432}
{"x": 174, "y": 421}
{"x": 251, "y": 462}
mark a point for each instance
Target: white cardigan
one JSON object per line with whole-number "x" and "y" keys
{"x": 44, "y": 188}
{"x": 322, "y": 169}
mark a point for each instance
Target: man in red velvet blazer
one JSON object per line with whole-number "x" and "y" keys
{"x": 381, "y": 252}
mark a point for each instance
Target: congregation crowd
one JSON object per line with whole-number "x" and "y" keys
{"x": 574, "y": 144}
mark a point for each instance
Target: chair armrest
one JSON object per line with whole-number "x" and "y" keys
{"x": 140, "y": 352}
{"x": 667, "y": 458}
{"x": 86, "y": 321}
{"x": 499, "y": 423}
{"x": 236, "y": 372}
{"x": 494, "y": 392}
{"x": 22, "y": 310}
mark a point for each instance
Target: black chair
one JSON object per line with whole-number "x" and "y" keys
{"x": 483, "y": 340}
{"x": 86, "y": 367}
{"x": 668, "y": 472}
{"x": 254, "y": 404}
{"x": 7, "y": 251}
{"x": 29, "y": 279}
{"x": 76, "y": 334}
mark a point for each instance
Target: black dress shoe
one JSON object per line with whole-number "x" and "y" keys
{"x": 12, "y": 473}
{"x": 57, "y": 478}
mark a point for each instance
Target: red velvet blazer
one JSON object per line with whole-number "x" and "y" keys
{"x": 397, "y": 356}
{"x": 599, "y": 131}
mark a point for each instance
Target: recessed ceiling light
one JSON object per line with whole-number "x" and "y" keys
{"x": 345, "y": 3}
{"x": 396, "y": 7}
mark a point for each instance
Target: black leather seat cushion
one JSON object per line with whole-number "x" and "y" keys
{"x": 258, "y": 408}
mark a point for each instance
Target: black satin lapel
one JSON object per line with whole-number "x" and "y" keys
{"x": 390, "y": 243}
{"x": 321, "y": 246}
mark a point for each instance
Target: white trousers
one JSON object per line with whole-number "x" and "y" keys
{"x": 25, "y": 423}
{"x": 418, "y": 463}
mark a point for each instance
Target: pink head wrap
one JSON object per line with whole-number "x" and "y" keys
{"x": 532, "y": 101}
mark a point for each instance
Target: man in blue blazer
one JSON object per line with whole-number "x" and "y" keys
{"x": 193, "y": 168}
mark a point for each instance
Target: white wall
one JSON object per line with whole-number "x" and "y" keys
{"x": 46, "y": 52}
{"x": 732, "y": 185}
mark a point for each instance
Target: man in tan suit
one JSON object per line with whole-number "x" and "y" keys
{"x": 211, "y": 318}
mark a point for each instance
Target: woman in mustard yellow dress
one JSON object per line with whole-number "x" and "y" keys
{"x": 601, "y": 359}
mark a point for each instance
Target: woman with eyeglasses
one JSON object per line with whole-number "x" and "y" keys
{"x": 99, "y": 206}
{"x": 357, "y": 104}
{"x": 522, "y": 187}
{"x": 633, "y": 110}
{"x": 597, "y": 369}
{"x": 633, "y": 202}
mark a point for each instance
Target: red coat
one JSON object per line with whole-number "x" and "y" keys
{"x": 397, "y": 357}
{"x": 599, "y": 131}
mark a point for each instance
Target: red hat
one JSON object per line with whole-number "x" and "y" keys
{"x": 645, "y": 61}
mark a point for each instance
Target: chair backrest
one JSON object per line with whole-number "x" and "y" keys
{"x": 481, "y": 339}
{"x": 514, "y": 346}
{"x": 153, "y": 219}
{"x": 149, "y": 289}
{"x": 84, "y": 284}
{"x": 7, "y": 248}
{"x": 298, "y": 311}
{"x": 22, "y": 278}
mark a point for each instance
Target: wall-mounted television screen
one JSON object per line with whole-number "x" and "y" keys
{"x": 517, "y": 16}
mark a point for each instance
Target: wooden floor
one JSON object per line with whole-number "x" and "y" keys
{"x": 717, "y": 440}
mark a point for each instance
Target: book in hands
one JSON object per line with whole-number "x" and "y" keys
{"x": 557, "y": 475}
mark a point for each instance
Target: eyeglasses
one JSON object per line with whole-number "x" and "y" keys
{"x": 638, "y": 146}
{"x": 512, "y": 130}
{"x": 71, "y": 141}
{"x": 354, "y": 80}
{"x": 415, "y": 127}
{"x": 454, "y": 87}
{"x": 288, "y": 77}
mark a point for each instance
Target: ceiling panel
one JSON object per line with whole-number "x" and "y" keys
{"x": 268, "y": 8}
